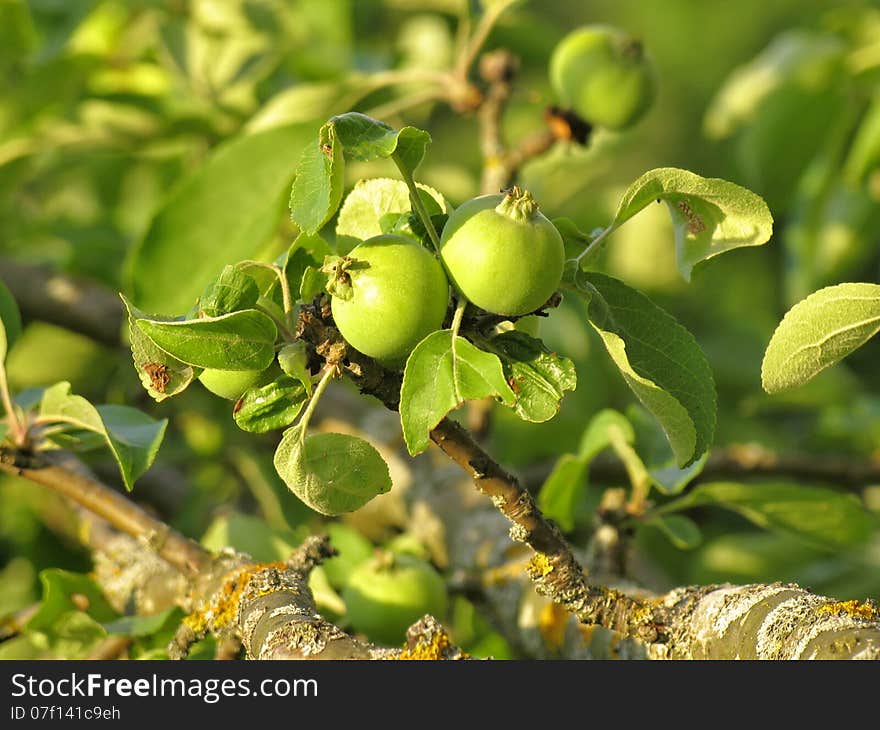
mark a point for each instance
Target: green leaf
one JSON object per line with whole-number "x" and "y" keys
{"x": 864, "y": 151}
{"x": 243, "y": 340}
{"x": 10, "y": 318}
{"x": 561, "y": 495}
{"x": 682, "y": 531}
{"x": 331, "y": 472}
{"x": 819, "y": 515}
{"x": 659, "y": 359}
{"x": 573, "y": 238}
{"x": 561, "y": 492}
{"x": 313, "y": 283}
{"x": 250, "y": 535}
{"x": 367, "y": 139}
{"x": 320, "y": 178}
{"x": 795, "y": 57}
{"x": 538, "y": 377}
{"x": 353, "y": 549}
{"x": 65, "y": 592}
{"x": 600, "y": 432}
{"x": 441, "y": 374}
{"x": 132, "y": 436}
{"x": 818, "y": 332}
{"x": 73, "y": 635}
{"x": 672, "y": 479}
{"x": 294, "y": 361}
{"x": 231, "y": 291}
{"x": 304, "y": 253}
{"x": 300, "y": 102}
{"x": 327, "y": 600}
{"x": 382, "y": 205}
{"x": 225, "y": 211}
{"x": 317, "y": 189}
{"x": 709, "y": 215}
{"x": 137, "y": 626}
{"x": 161, "y": 374}
{"x": 271, "y": 406}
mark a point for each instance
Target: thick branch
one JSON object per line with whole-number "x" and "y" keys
{"x": 269, "y": 607}
{"x": 77, "y": 304}
{"x": 177, "y": 550}
{"x": 775, "y": 621}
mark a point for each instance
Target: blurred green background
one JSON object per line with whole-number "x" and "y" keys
{"x": 110, "y": 109}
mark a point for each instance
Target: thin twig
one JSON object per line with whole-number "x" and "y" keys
{"x": 14, "y": 624}
{"x": 406, "y": 102}
{"x": 113, "y": 647}
{"x": 747, "y": 462}
{"x": 480, "y": 35}
{"x": 497, "y": 69}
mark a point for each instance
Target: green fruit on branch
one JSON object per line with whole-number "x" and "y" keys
{"x": 389, "y": 294}
{"x": 604, "y": 74}
{"x": 232, "y": 384}
{"x": 502, "y": 253}
{"x": 388, "y": 593}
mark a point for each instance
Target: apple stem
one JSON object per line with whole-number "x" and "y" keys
{"x": 303, "y": 424}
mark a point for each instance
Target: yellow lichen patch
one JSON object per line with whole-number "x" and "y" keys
{"x": 552, "y": 622}
{"x": 197, "y": 621}
{"x": 430, "y": 648}
{"x": 539, "y": 566}
{"x": 853, "y": 609}
{"x": 222, "y": 609}
{"x": 644, "y": 614}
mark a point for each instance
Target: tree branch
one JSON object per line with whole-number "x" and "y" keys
{"x": 498, "y": 69}
{"x": 775, "y": 621}
{"x": 77, "y": 304}
{"x": 554, "y": 569}
{"x": 267, "y": 607}
{"x": 270, "y": 609}
{"x": 741, "y": 461}
{"x": 681, "y": 623}
{"x": 181, "y": 552}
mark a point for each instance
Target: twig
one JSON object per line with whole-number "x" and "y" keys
{"x": 753, "y": 460}
{"x": 14, "y": 624}
{"x": 267, "y": 607}
{"x": 472, "y": 46}
{"x": 404, "y": 103}
{"x": 75, "y": 304}
{"x": 497, "y": 69}
{"x": 177, "y": 550}
{"x": 744, "y": 461}
{"x": 554, "y": 568}
{"x": 110, "y": 648}
{"x": 501, "y": 163}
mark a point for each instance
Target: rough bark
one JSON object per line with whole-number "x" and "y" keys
{"x": 775, "y": 621}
